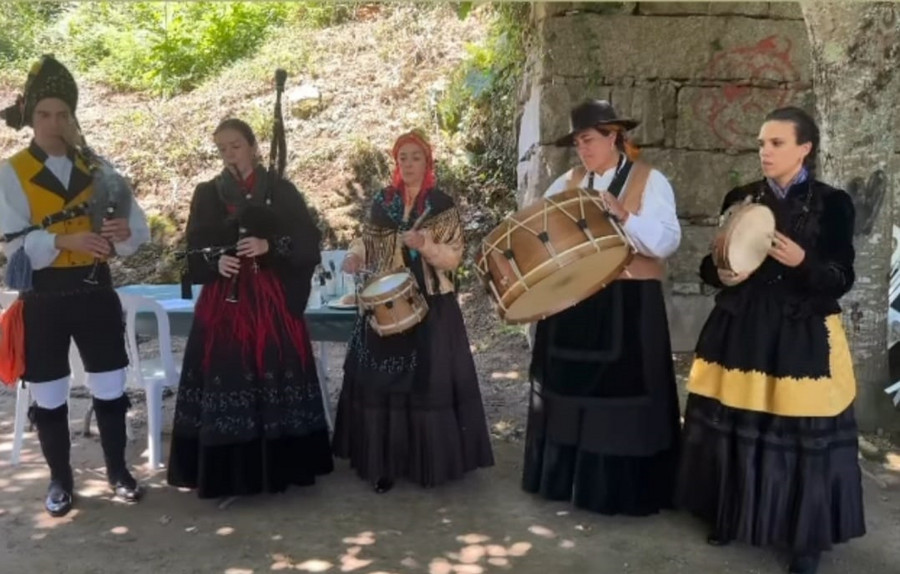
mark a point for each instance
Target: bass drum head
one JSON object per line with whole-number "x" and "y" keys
{"x": 569, "y": 286}
{"x": 385, "y": 284}
{"x": 750, "y": 238}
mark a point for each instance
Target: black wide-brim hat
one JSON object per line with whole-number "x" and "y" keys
{"x": 593, "y": 114}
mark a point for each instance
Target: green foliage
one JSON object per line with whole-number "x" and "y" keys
{"x": 371, "y": 167}
{"x": 324, "y": 13}
{"x": 24, "y": 30}
{"x": 161, "y": 47}
{"x": 463, "y": 9}
{"x": 479, "y": 106}
{"x": 162, "y": 228}
{"x": 261, "y": 120}
{"x": 165, "y": 47}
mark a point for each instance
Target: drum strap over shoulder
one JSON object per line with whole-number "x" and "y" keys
{"x": 636, "y": 186}
{"x": 641, "y": 267}
{"x": 615, "y": 187}
{"x": 576, "y": 176}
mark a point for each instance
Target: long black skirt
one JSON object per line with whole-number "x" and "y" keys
{"x": 428, "y": 425}
{"x": 249, "y": 416}
{"x": 753, "y": 466}
{"x": 763, "y": 479}
{"x": 603, "y": 417}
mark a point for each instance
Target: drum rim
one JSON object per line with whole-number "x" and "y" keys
{"x": 630, "y": 255}
{"x": 553, "y": 310}
{"x": 731, "y": 226}
{"x": 393, "y": 291}
{"x": 488, "y": 243}
{"x": 405, "y": 325}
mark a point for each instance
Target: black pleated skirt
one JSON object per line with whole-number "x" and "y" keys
{"x": 603, "y": 418}
{"x": 754, "y": 466}
{"x": 429, "y": 428}
{"x": 763, "y": 479}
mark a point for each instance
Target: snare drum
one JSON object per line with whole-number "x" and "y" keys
{"x": 552, "y": 255}
{"x": 744, "y": 238}
{"x": 394, "y": 302}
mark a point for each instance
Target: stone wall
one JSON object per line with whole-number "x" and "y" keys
{"x": 700, "y": 76}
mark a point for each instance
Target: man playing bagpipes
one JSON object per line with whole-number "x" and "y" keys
{"x": 63, "y": 212}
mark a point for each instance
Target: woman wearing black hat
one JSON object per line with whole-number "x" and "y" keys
{"x": 603, "y": 417}
{"x": 69, "y": 294}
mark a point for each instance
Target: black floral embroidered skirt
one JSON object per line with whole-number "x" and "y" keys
{"x": 410, "y": 406}
{"x": 249, "y": 416}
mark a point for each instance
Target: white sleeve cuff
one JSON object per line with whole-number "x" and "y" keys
{"x": 652, "y": 237}
{"x": 140, "y": 232}
{"x": 41, "y": 249}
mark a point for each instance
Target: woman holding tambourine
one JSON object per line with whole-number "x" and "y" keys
{"x": 770, "y": 438}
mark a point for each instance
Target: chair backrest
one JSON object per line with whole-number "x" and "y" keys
{"x": 132, "y": 305}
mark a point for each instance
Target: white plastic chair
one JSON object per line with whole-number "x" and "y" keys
{"x": 23, "y": 393}
{"x": 150, "y": 375}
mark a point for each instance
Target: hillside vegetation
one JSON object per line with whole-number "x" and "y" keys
{"x": 156, "y": 77}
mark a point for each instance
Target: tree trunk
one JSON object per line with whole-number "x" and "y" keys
{"x": 855, "y": 50}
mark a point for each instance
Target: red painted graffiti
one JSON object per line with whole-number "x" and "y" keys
{"x": 726, "y": 109}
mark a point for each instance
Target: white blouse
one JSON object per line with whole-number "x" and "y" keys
{"x": 655, "y": 231}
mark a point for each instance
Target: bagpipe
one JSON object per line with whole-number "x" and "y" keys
{"x": 111, "y": 199}
{"x": 113, "y": 194}
{"x": 275, "y": 172}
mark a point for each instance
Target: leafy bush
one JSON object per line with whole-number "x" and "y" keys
{"x": 24, "y": 30}
{"x": 161, "y": 47}
{"x": 324, "y": 13}
{"x": 479, "y": 107}
{"x": 165, "y": 47}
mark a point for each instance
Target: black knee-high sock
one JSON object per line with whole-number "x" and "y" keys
{"x": 53, "y": 434}
{"x": 113, "y": 438}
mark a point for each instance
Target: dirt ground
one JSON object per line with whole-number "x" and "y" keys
{"x": 483, "y": 524}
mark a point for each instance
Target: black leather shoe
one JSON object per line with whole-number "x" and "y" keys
{"x": 59, "y": 500}
{"x": 127, "y": 489}
{"x": 383, "y": 485}
{"x": 111, "y": 422}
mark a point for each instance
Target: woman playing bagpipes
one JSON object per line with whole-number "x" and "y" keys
{"x": 249, "y": 416}
{"x": 410, "y": 406}
{"x": 63, "y": 212}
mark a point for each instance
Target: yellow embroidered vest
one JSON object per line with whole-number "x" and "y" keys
{"x": 46, "y": 196}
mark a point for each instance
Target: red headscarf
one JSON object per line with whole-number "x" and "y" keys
{"x": 397, "y": 183}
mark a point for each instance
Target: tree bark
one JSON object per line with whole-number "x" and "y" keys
{"x": 855, "y": 49}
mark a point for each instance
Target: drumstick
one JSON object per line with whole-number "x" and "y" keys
{"x": 421, "y": 219}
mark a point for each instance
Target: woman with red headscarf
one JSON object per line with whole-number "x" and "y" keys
{"x": 410, "y": 406}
